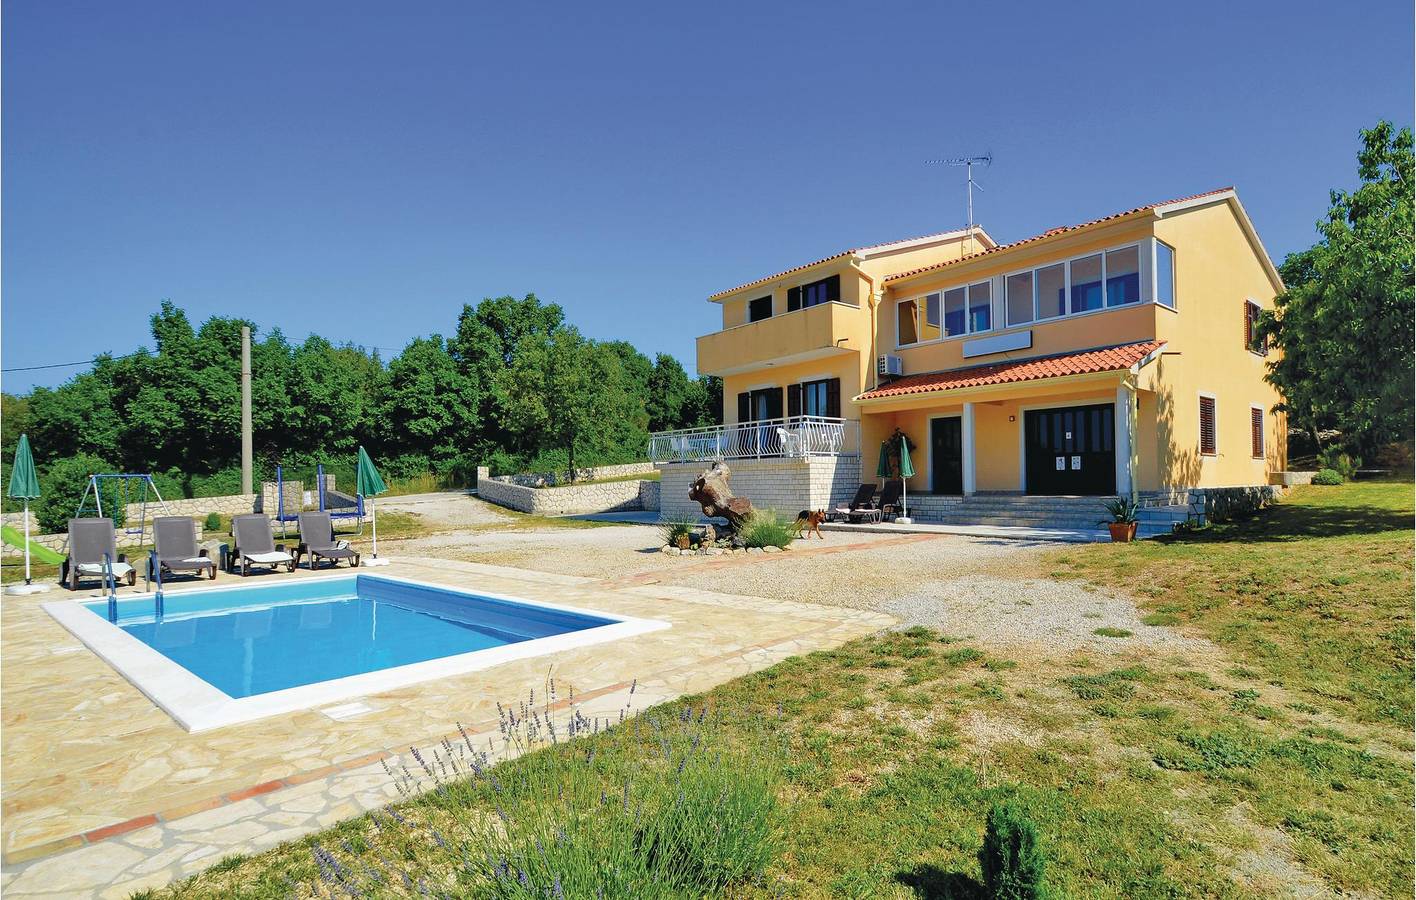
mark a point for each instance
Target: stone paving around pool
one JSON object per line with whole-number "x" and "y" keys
{"x": 104, "y": 794}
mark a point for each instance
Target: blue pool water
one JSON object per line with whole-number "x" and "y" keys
{"x": 255, "y": 640}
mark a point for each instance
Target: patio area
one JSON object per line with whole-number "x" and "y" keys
{"x": 105, "y": 794}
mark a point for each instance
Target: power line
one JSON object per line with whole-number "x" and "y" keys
{"x": 89, "y": 362}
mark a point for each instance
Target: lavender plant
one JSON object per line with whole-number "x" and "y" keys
{"x": 650, "y": 805}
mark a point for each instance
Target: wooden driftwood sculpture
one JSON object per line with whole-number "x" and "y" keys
{"x": 711, "y": 491}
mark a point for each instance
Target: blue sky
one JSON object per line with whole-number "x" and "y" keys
{"x": 361, "y": 171}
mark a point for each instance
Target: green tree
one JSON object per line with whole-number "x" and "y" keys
{"x": 1345, "y": 321}
{"x": 484, "y": 348}
{"x": 429, "y": 408}
{"x": 669, "y": 392}
{"x": 704, "y": 404}
{"x": 571, "y": 394}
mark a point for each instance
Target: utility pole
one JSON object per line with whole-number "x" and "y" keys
{"x": 968, "y": 163}
{"x": 247, "y": 486}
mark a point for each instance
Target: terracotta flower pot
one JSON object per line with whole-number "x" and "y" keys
{"x": 684, "y": 542}
{"x": 1122, "y": 532}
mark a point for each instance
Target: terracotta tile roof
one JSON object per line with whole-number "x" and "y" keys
{"x": 1082, "y": 362}
{"x": 844, "y": 253}
{"x": 1052, "y": 232}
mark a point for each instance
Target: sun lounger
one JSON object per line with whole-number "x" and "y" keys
{"x": 890, "y": 497}
{"x": 861, "y": 507}
{"x": 89, "y": 540}
{"x": 255, "y": 544}
{"x": 176, "y": 540}
{"x": 317, "y": 540}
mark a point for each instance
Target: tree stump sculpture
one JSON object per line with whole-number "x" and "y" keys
{"x": 711, "y": 491}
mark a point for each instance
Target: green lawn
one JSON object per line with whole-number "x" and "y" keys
{"x": 1279, "y": 762}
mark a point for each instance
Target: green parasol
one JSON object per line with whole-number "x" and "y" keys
{"x": 906, "y": 471}
{"x": 369, "y": 484}
{"x": 24, "y": 485}
{"x": 883, "y": 469}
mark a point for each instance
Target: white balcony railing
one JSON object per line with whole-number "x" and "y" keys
{"x": 797, "y": 436}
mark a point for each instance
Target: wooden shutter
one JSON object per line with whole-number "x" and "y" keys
{"x": 1207, "y": 437}
{"x": 793, "y": 299}
{"x": 744, "y": 407}
{"x": 833, "y": 398}
{"x": 774, "y": 402}
{"x": 1248, "y": 325}
{"x": 833, "y": 289}
{"x": 793, "y": 400}
{"x": 1256, "y": 432}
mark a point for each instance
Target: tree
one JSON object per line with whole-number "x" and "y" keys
{"x": 484, "y": 348}
{"x": 429, "y": 407}
{"x": 669, "y": 393}
{"x": 571, "y": 394}
{"x": 1345, "y": 322}
{"x": 704, "y": 404}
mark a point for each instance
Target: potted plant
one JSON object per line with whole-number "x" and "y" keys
{"x": 1122, "y": 524}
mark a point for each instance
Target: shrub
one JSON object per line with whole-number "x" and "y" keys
{"x": 212, "y": 523}
{"x": 765, "y": 529}
{"x": 673, "y": 529}
{"x": 1328, "y": 477}
{"x": 1011, "y": 859}
{"x": 1339, "y": 461}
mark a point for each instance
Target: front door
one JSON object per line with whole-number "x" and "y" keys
{"x": 1071, "y": 450}
{"x": 946, "y": 455}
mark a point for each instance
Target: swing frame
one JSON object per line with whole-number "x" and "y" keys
{"x": 125, "y": 480}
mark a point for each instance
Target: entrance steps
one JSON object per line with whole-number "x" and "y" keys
{"x": 1020, "y": 511}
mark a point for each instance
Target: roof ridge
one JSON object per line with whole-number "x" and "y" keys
{"x": 1060, "y": 229}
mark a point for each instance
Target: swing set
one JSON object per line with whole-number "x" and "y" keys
{"x": 128, "y": 486}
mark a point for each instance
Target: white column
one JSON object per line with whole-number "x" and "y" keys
{"x": 1125, "y": 429}
{"x": 968, "y": 428}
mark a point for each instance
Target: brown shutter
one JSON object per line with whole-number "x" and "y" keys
{"x": 1248, "y": 325}
{"x": 774, "y": 403}
{"x": 833, "y": 289}
{"x": 793, "y": 400}
{"x": 1256, "y": 432}
{"x": 833, "y": 398}
{"x": 1207, "y": 441}
{"x": 793, "y": 299}
{"x": 744, "y": 407}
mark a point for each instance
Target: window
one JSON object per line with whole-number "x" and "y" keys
{"x": 980, "y": 306}
{"x": 1252, "y": 341}
{"x": 1256, "y": 432}
{"x": 954, "y": 316}
{"x": 813, "y": 398}
{"x": 1123, "y": 276}
{"x": 759, "y": 309}
{"x": 1086, "y": 284}
{"x": 1165, "y": 274}
{"x": 827, "y": 290}
{"x": 929, "y": 329}
{"x": 1020, "y": 298}
{"x": 1207, "y": 436}
{"x": 1051, "y": 291}
{"x": 908, "y": 331}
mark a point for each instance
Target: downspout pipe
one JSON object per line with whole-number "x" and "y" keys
{"x": 872, "y": 301}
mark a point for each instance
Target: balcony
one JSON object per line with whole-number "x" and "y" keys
{"x": 795, "y": 437}
{"x": 796, "y": 336}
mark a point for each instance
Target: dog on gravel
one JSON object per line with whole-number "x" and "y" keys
{"x": 809, "y": 521}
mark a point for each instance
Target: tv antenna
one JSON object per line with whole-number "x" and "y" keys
{"x": 968, "y": 163}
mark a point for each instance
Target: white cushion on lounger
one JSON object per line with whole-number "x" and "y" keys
{"x": 197, "y": 559}
{"x": 119, "y": 569}
{"x": 271, "y": 557}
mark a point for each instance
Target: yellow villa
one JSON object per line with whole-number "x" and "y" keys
{"x": 1114, "y": 357}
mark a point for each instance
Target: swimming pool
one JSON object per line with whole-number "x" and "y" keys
{"x": 224, "y": 655}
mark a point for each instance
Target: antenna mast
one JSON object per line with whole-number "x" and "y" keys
{"x": 968, "y": 163}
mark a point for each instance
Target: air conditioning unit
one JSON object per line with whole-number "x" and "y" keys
{"x": 889, "y": 365}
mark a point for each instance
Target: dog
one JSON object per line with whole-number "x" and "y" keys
{"x": 809, "y": 521}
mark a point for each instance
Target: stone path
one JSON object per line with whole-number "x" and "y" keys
{"x": 104, "y": 794}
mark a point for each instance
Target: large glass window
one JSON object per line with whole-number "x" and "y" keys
{"x": 813, "y": 398}
{"x": 954, "y": 318}
{"x": 1051, "y": 291}
{"x": 1165, "y": 274}
{"x": 1020, "y": 298}
{"x": 980, "y": 306}
{"x": 1086, "y": 284}
{"x": 1123, "y": 276}
{"x": 905, "y": 319}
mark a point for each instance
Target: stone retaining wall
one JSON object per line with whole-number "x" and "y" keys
{"x": 230, "y": 504}
{"x": 554, "y": 479}
{"x": 786, "y": 485}
{"x": 573, "y": 499}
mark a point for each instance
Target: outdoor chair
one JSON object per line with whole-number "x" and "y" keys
{"x": 317, "y": 541}
{"x": 175, "y": 538}
{"x": 89, "y": 540}
{"x": 861, "y": 507}
{"x": 255, "y": 543}
{"x": 890, "y": 497}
